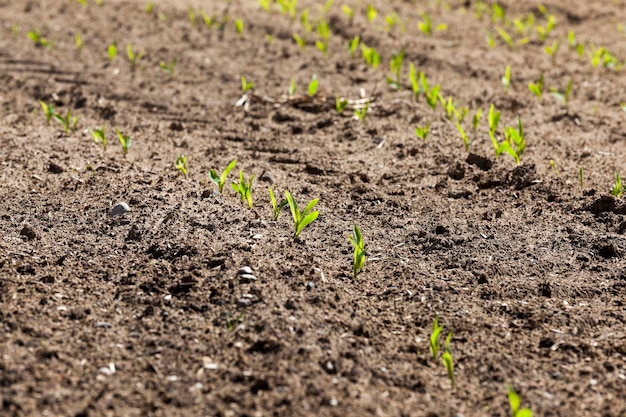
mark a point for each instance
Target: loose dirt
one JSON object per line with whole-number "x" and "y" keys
{"x": 143, "y": 314}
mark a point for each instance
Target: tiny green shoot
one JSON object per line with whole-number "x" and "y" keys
{"x": 537, "y": 88}
{"x": 245, "y": 85}
{"x": 466, "y": 141}
{"x": 581, "y": 177}
{"x": 563, "y": 97}
{"x": 395, "y": 65}
{"x": 99, "y": 136}
{"x": 192, "y": 16}
{"x": 168, "y": 68}
{"x": 426, "y": 25}
{"x": 303, "y": 218}
{"x": 181, "y": 164}
{"x": 371, "y": 13}
{"x": 132, "y": 56}
{"x": 506, "y": 78}
{"x": 422, "y": 132}
{"x": 447, "y": 359}
{"x": 371, "y": 55}
{"x": 493, "y": 119}
{"x": 313, "y": 84}
{"x": 358, "y": 259}
{"x": 276, "y": 207}
{"x": 220, "y": 179}
{"x": 353, "y": 44}
{"x": 434, "y": 338}
{"x": 125, "y": 141}
{"x": 78, "y": 41}
{"x": 348, "y": 11}
{"x": 239, "y": 26}
{"x": 554, "y": 167}
{"x": 244, "y": 189}
{"x": 149, "y": 7}
{"x": 340, "y": 104}
{"x": 112, "y": 51}
{"x": 292, "y": 88}
{"x": 618, "y": 188}
{"x": 361, "y": 113}
{"x": 515, "y": 402}
{"x": 415, "y": 84}
{"x": 506, "y": 37}
{"x": 552, "y": 49}
{"x": 48, "y": 110}
{"x": 68, "y": 122}
{"x": 38, "y": 39}
{"x": 476, "y": 119}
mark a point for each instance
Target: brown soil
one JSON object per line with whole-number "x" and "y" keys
{"x": 143, "y": 314}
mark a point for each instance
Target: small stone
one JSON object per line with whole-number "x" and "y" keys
{"x": 102, "y": 325}
{"x": 244, "y": 302}
{"x": 310, "y": 285}
{"x": 247, "y": 278}
{"x": 120, "y": 208}
{"x": 258, "y": 236}
{"x": 244, "y": 270}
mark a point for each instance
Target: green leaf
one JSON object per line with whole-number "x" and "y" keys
{"x": 313, "y": 86}
{"x": 310, "y": 206}
{"x": 308, "y": 219}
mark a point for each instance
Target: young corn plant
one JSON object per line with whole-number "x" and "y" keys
{"x": 125, "y": 141}
{"x": 68, "y": 122}
{"x": 292, "y": 88}
{"x": 431, "y": 94}
{"x": 245, "y": 85}
{"x": 99, "y": 136}
{"x": 618, "y": 188}
{"x": 448, "y": 361}
{"x": 168, "y": 68}
{"x": 506, "y": 78}
{"x": 395, "y": 65}
{"x": 371, "y": 13}
{"x": 301, "y": 42}
{"x": 506, "y": 37}
{"x": 244, "y": 189}
{"x": 38, "y": 39}
{"x": 323, "y": 31}
{"x": 133, "y": 57}
{"x": 450, "y": 108}
{"x": 112, "y": 51}
{"x": 514, "y": 143}
{"x": 422, "y": 132}
{"x": 476, "y": 119}
{"x": 239, "y": 27}
{"x": 313, "y": 84}
{"x": 340, "y": 104}
{"x": 466, "y": 140}
{"x": 515, "y": 403}
{"x": 358, "y": 259}
{"x": 276, "y": 207}
{"x": 434, "y": 338}
{"x": 354, "y": 44}
{"x": 563, "y": 97}
{"x": 78, "y": 41}
{"x": 537, "y": 88}
{"x": 415, "y": 84}
{"x": 181, "y": 164}
{"x": 301, "y": 218}
{"x": 220, "y": 179}
{"x": 426, "y": 25}
{"x": 48, "y": 110}
{"x": 370, "y": 55}
{"x": 361, "y": 113}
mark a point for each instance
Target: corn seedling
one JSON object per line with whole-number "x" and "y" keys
{"x": 208, "y": 20}
{"x": 491, "y": 42}
{"x": 348, "y": 11}
{"x": 544, "y": 31}
{"x": 162, "y": 17}
{"x": 618, "y": 188}
{"x": 15, "y": 30}
{"x": 181, "y": 164}
{"x": 422, "y": 132}
{"x": 38, "y": 39}
{"x": 78, "y": 41}
{"x": 245, "y": 85}
{"x": 497, "y": 13}
{"x": 112, "y": 51}
{"x": 552, "y": 49}
{"x": 358, "y": 259}
{"x": 99, "y": 136}
{"x": 514, "y": 143}
{"x": 220, "y": 179}
{"x": 132, "y": 56}
{"x": 68, "y": 122}
{"x": 149, "y": 7}
{"x": 426, "y": 25}
{"x": 304, "y": 21}
{"x": 303, "y": 218}
{"x": 447, "y": 359}
{"x": 301, "y": 42}
{"x": 563, "y": 97}
{"x": 554, "y": 167}
{"x": 370, "y": 55}
{"x": 361, "y": 113}
{"x": 450, "y": 108}
{"x": 506, "y": 78}
{"x": 466, "y": 141}
{"x": 476, "y": 119}
{"x": 244, "y": 189}
{"x": 392, "y": 20}
{"x": 292, "y": 88}
{"x": 125, "y": 141}
{"x": 415, "y": 84}
{"x": 395, "y": 65}
{"x": 168, "y": 68}
{"x": 192, "y": 16}
{"x": 506, "y": 37}
{"x": 340, "y": 104}
{"x": 434, "y": 338}
{"x": 371, "y": 13}
{"x": 288, "y": 7}
{"x": 431, "y": 94}
{"x": 83, "y": 2}
{"x": 313, "y": 84}
{"x": 327, "y": 6}
{"x": 324, "y": 32}
{"x": 239, "y": 26}
{"x": 353, "y": 44}
{"x": 581, "y": 178}
{"x": 515, "y": 402}
{"x": 537, "y": 88}
{"x": 48, "y": 110}
{"x": 276, "y": 207}
{"x": 493, "y": 119}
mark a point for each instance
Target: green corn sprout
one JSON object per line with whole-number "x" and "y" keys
{"x": 149, "y": 7}
{"x": 581, "y": 177}
{"x": 476, "y": 119}
{"x": 239, "y": 26}
{"x": 450, "y": 108}
{"x": 112, "y": 51}
{"x": 563, "y": 97}
{"x": 99, "y": 136}
{"x": 304, "y": 20}
{"x": 497, "y": 13}
{"x": 125, "y": 141}
{"x": 466, "y": 141}
{"x": 48, "y": 110}
{"x": 618, "y": 188}
{"x": 348, "y": 11}
{"x": 181, "y": 164}
{"x": 301, "y": 42}
{"x": 514, "y": 143}
{"x": 361, "y": 113}
{"x": 422, "y": 132}
{"x": 68, "y": 122}
{"x": 340, "y": 104}
{"x": 220, "y": 179}
{"x": 415, "y": 85}
{"x": 38, "y": 39}
{"x": 313, "y": 86}
{"x": 537, "y": 88}
{"x": 544, "y": 31}
{"x": 515, "y": 402}
{"x": 434, "y": 338}
{"x": 245, "y": 85}
{"x": 395, "y": 65}
{"x": 506, "y": 78}
{"x": 78, "y": 41}
{"x": 276, "y": 207}
{"x": 192, "y": 16}
{"x": 324, "y": 32}
{"x": 554, "y": 167}
{"x": 168, "y": 68}
{"x": 426, "y": 25}
{"x": 244, "y": 189}
{"x": 431, "y": 94}
{"x": 292, "y": 87}
{"x": 506, "y": 37}
{"x": 370, "y": 55}
{"x": 447, "y": 359}
{"x": 494, "y": 119}
{"x": 552, "y": 49}
{"x": 353, "y": 44}
{"x": 358, "y": 261}
{"x": 132, "y": 56}
{"x": 371, "y": 13}
{"x": 303, "y": 218}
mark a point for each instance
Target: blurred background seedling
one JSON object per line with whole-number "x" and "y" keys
{"x": 48, "y": 110}
{"x": 181, "y": 164}
{"x": 244, "y": 189}
{"x": 220, "y": 179}
{"x": 99, "y": 136}
{"x": 125, "y": 141}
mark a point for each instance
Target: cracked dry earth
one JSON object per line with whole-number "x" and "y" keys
{"x": 144, "y": 314}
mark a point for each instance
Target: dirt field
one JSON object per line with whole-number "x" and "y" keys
{"x": 144, "y": 313}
